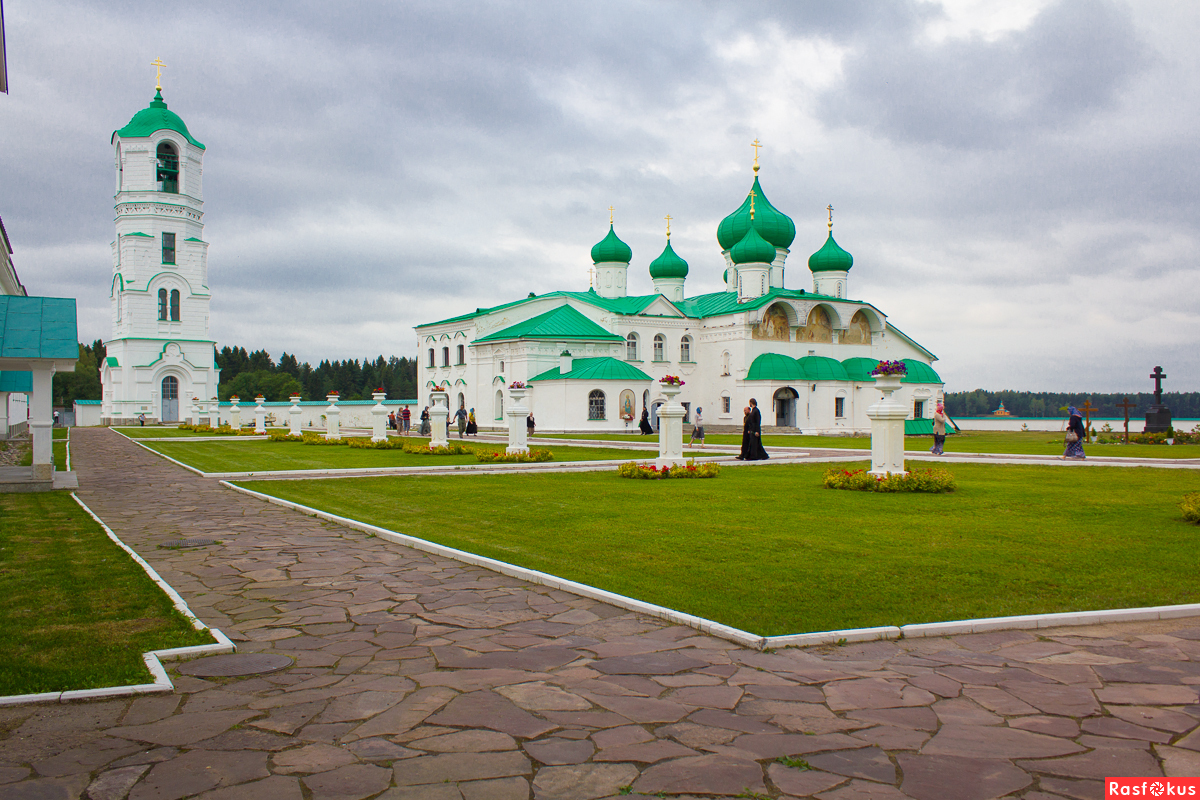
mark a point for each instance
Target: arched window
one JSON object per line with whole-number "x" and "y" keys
{"x": 162, "y": 304}
{"x": 645, "y": 400}
{"x": 174, "y": 305}
{"x": 445, "y": 356}
{"x": 501, "y": 367}
{"x": 685, "y": 349}
{"x": 725, "y": 363}
{"x": 170, "y": 399}
{"x": 168, "y": 168}
{"x": 431, "y": 358}
{"x": 596, "y": 404}
{"x": 462, "y": 354}
{"x": 499, "y": 404}
{"x": 660, "y": 347}
{"x": 631, "y": 347}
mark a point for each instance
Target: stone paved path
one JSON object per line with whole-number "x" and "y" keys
{"x": 418, "y": 677}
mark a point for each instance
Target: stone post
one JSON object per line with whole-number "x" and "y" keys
{"x": 887, "y": 429}
{"x": 294, "y": 415}
{"x": 333, "y": 418}
{"x": 235, "y": 413}
{"x": 378, "y": 417}
{"x": 260, "y": 415}
{"x": 437, "y": 418}
{"x": 518, "y": 435}
{"x": 214, "y": 413}
{"x": 193, "y": 415}
{"x": 670, "y": 428}
{"x": 41, "y": 420}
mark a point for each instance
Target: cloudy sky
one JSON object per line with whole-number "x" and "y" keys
{"x": 1017, "y": 181}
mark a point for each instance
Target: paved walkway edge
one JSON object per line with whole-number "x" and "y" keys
{"x": 154, "y": 658}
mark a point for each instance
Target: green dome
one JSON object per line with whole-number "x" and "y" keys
{"x": 775, "y": 367}
{"x": 752, "y": 249}
{"x": 156, "y": 118}
{"x": 821, "y": 368}
{"x": 777, "y": 228}
{"x": 859, "y": 369}
{"x": 919, "y": 372}
{"x": 830, "y": 258}
{"x": 611, "y": 248}
{"x": 668, "y": 265}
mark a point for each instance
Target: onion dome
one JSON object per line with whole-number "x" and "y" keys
{"x": 611, "y": 248}
{"x": 777, "y": 228}
{"x": 157, "y": 117}
{"x": 668, "y": 265}
{"x": 830, "y": 258}
{"x": 752, "y": 249}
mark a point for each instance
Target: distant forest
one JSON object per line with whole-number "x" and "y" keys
{"x": 247, "y": 374}
{"x": 981, "y": 403}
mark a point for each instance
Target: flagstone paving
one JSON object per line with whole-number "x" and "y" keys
{"x": 419, "y": 677}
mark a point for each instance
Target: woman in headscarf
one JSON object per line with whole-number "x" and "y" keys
{"x": 1075, "y": 435}
{"x": 426, "y": 428}
{"x": 939, "y": 430}
{"x": 644, "y": 425}
{"x": 472, "y": 425}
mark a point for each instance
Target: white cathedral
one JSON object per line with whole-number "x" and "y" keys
{"x": 593, "y": 359}
{"x": 160, "y": 354}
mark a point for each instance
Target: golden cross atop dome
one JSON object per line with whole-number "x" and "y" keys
{"x": 158, "y": 78}
{"x": 751, "y": 204}
{"x": 830, "y": 209}
{"x": 610, "y": 215}
{"x": 668, "y": 219}
{"x": 755, "y": 144}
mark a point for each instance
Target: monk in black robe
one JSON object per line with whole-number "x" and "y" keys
{"x": 644, "y": 425}
{"x": 752, "y": 449}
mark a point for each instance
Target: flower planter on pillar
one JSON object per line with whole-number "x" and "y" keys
{"x": 260, "y": 415}
{"x": 235, "y": 413}
{"x": 378, "y": 417}
{"x": 437, "y": 418}
{"x": 517, "y": 411}
{"x": 670, "y": 428}
{"x": 294, "y": 415}
{"x": 887, "y": 417}
{"x": 214, "y": 413}
{"x": 333, "y": 426}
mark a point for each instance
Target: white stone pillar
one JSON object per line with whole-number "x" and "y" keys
{"x": 670, "y": 428}
{"x": 294, "y": 415}
{"x": 379, "y": 417}
{"x": 887, "y": 417}
{"x": 333, "y": 418}
{"x": 438, "y": 415}
{"x": 518, "y": 435}
{"x": 201, "y": 407}
{"x": 41, "y": 420}
{"x": 235, "y": 413}
{"x": 214, "y": 412}
{"x": 3, "y": 415}
{"x": 193, "y": 413}
{"x": 260, "y": 415}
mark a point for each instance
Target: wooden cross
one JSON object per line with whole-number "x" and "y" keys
{"x": 668, "y": 219}
{"x": 1158, "y": 375}
{"x": 610, "y": 215}
{"x": 829, "y": 208}
{"x": 1087, "y": 408}
{"x": 1125, "y": 404}
{"x": 158, "y": 78}
{"x": 755, "y": 144}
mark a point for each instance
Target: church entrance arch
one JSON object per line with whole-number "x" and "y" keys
{"x": 170, "y": 399}
{"x": 785, "y": 407}
{"x": 657, "y": 404}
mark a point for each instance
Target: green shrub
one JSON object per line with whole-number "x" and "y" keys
{"x": 364, "y": 443}
{"x": 426, "y": 450}
{"x": 1191, "y": 507}
{"x": 283, "y": 436}
{"x": 318, "y": 439}
{"x": 533, "y": 456}
{"x": 929, "y": 481}
{"x": 632, "y": 469}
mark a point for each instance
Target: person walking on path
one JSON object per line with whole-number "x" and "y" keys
{"x": 939, "y": 429}
{"x": 406, "y": 418}
{"x": 698, "y": 427}
{"x": 426, "y": 428}
{"x": 644, "y": 425}
{"x": 460, "y": 417}
{"x": 142, "y": 420}
{"x": 472, "y": 426}
{"x": 1075, "y": 435}
{"x": 392, "y": 421}
{"x": 530, "y": 424}
{"x": 752, "y": 449}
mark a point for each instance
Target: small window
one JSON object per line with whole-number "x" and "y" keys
{"x": 162, "y": 304}
{"x": 839, "y": 406}
{"x": 167, "y": 174}
{"x": 168, "y": 248}
{"x": 685, "y": 349}
{"x": 660, "y": 346}
{"x": 501, "y": 367}
{"x": 725, "y": 364}
{"x": 431, "y": 358}
{"x": 725, "y": 405}
{"x": 918, "y": 409}
{"x": 174, "y": 305}
{"x": 462, "y": 354}
{"x": 631, "y": 347}
{"x": 445, "y": 356}
{"x": 596, "y": 405}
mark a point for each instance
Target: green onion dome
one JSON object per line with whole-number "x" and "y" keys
{"x": 668, "y": 265}
{"x": 777, "y": 228}
{"x": 157, "y": 117}
{"x": 611, "y": 248}
{"x": 830, "y": 258}
{"x": 752, "y": 249}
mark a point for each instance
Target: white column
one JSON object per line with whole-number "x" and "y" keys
{"x": 3, "y": 415}
{"x": 670, "y": 429}
{"x": 260, "y": 415}
{"x": 887, "y": 429}
{"x": 214, "y": 412}
{"x": 193, "y": 412}
{"x": 235, "y": 413}
{"x": 437, "y": 419}
{"x": 379, "y": 417}
{"x": 518, "y": 435}
{"x": 41, "y": 420}
{"x": 201, "y": 411}
{"x": 294, "y": 415}
{"x": 333, "y": 428}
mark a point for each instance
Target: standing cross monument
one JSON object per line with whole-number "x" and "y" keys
{"x": 1158, "y": 418}
{"x": 1087, "y": 408}
{"x": 1125, "y": 404}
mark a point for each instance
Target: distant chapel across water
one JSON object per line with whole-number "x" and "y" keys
{"x": 593, "y": 359}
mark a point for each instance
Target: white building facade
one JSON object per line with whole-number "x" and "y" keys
{"x": 160, "y": 354}
{"x": 593, "y": 359}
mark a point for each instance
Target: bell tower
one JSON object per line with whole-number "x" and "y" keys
{"x": 160, "y": 354}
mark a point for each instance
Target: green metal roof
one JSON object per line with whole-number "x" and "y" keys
{"x": 830, "y": 258}
{"x": 38, "y": 327}
{"x": 611, "y": 248}
{"x": 620, "y": 305}
{"x": 111, "y": 361}
{"x": 822, "y": 368}
{"x": 670, "y": 265}
{"x": 139, "y": 233}
{"x": 752, "y": 249}
{"x": 16, "y": 381}
{"x": 87, "y": 402}
{"x": 157, "y": 117}
{"x": 859, "y": 369}
{"x": 775, "y": 367}
{"x": 595, "y": 369}
{"x": 777, "y": 228}
{"x": 919, "y": 372}
{"x": 563, "y": 322}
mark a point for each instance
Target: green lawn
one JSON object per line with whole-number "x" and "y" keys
{"x": 166, "y": 432}
{"x": 264, "y": 456}
{"x": 60, "y": 433}
{"x": 768, "y": 550}
{"x": 75, "y": 611}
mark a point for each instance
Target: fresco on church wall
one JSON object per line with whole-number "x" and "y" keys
{"x": 818, "y": 328}
{"x": 774, "y": 324}
{"x": 859, "y": 331}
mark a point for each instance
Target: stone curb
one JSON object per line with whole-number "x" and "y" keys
{"x": 154, "y": 658}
